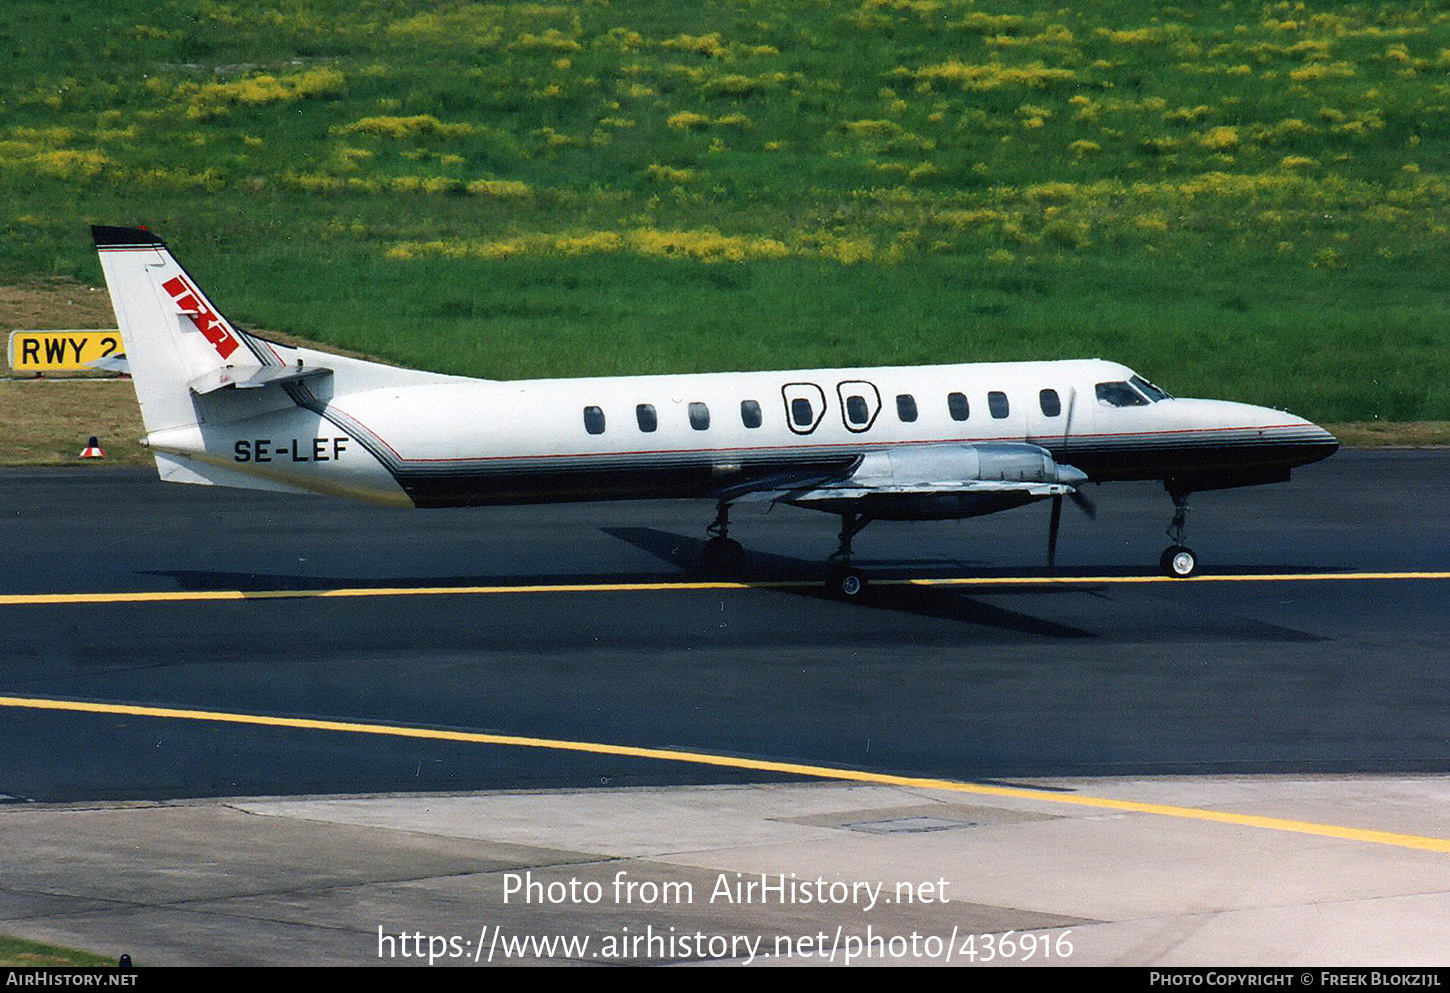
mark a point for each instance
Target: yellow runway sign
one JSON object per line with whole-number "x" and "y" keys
{"x": 51, "y": 351}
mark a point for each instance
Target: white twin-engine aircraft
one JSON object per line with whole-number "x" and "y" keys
{"x": 228, "y": 408}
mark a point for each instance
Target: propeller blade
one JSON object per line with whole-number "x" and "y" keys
{"x": 1085, "y": 504}
{"x": 1052, "y": 531}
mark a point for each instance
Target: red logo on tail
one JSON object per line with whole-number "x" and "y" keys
{"x": 208, "y": 322}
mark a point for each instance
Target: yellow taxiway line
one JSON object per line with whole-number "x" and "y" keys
{"x": 1419, "y": 842}
{"x": 182, "y": 596}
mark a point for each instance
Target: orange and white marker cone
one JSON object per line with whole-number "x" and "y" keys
{"x": 93, "y": 450}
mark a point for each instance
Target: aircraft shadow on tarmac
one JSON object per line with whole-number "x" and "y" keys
{"x": 942, "y": 602}
{"x": 683, "y": 554}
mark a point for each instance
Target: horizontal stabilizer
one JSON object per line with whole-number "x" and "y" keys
{"x": 254, "y": 378}
{"x": 174, "y": 468}
{"x": 111, "y": 363}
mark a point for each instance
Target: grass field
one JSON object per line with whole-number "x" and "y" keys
{"x": 1244, "y": 200}
{"x": 21, "y": 954}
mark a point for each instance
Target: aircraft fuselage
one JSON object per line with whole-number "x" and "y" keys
{"x": 449, "y": 441}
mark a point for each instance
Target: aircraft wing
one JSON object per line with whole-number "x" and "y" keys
{"x": 847, "y": 492}
{"x": 958, "y": 480}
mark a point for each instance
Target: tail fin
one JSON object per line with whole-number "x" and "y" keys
{"x": 174, "y": 336}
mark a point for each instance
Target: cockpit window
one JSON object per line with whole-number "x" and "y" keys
{"x": 1149, "y": 390}
{"x": 1120, "y": 394}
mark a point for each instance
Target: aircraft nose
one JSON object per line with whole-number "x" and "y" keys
{"x": 1275, "y": 434}
{"x": 1322, "y": 442}
{"x": 1306, "y": 441}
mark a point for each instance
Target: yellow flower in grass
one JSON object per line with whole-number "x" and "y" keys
{"x": 1219, "y": 138}
{"x": 687, "y": 120}
{"x": 665, "y": 174}
{"x": 708, "y": 44}
{"x": 499, "y": 188}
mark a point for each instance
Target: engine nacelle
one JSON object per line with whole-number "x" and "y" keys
{"x": 1007, "y": 462}
{"x": 914, "y": 484}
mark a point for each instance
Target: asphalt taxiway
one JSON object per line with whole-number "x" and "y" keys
{"x": 585, "y": 623}
{"x": 434, "y": 699}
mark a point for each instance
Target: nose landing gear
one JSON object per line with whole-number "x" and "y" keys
{"x": 1178, "y": 560}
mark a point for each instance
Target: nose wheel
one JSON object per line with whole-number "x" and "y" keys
{"x": 1178, "y": 560}
{"x": 846, "y": 583}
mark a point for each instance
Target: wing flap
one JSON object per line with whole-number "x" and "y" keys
{"x": 849, "y": 492}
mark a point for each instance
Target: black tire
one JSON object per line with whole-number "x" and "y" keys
{"x": 847, "y": 584}
{"x": 1178, "y": 561}
{"x": 723, "y": 554}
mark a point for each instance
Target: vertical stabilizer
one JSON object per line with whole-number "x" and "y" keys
{"x": 174, "y": 336}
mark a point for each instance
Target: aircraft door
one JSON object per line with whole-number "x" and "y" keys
{"x": 860, "y": 403}
{"x": 805, "y": 406}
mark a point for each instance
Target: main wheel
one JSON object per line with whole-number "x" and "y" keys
{"x": 1178, "y": 561}
{"x": 848, "y": 584}
{"x": 723, "y": 553}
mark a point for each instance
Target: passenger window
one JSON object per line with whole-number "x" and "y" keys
{"x": 750, "y": 413}
{"x": 801, "y": 413}
{"x": 997, "y": 404}
{"x": 1120, "y": 394}
{"x": 906, "y": 407}
{"x": 593, "y": 420}
{"x": 699, "y": 416}
{"x": 1051, "y": 403}
{"x": 857, "y": 410}
{"x": 645, "y": 413}
{"x": 957, "y": 404}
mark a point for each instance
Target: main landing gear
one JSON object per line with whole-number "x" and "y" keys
{"x": 1178, "y": 560}
{"x": 844, "y": 581}
{"x": 722, "y": 553}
